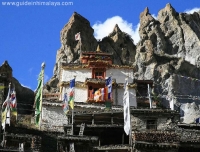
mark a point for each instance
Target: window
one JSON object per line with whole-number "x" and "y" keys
{"x": 99, "y": 74}
{"x": 151, "y": 124}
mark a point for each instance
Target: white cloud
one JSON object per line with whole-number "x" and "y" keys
{"x": 46, "y": 78}
{"x": 191, "y": 11}
{"x": 25, "y": 86}
{"x": 30, "y": 71}
{"x": 154, "y": 16}
{"x": 104, "y": 29}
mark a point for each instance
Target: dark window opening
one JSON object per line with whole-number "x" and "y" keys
{"x": 99, "y": 74}
{"x": 151, "y": 124}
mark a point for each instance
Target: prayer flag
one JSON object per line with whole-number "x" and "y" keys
{"x": 78, "y": 36}
{"x": 13, "y": 103}
{"x": 5, "y": 117}
{"x": 65, "y": 104}
{"x": 102, "y": 94}
{"x": 71, "y": 93}
{"x": 109, "y": 87}
{"x": 38, "y": 98}
{"x": 127, "y": 123}
{"x": 197, "y": 120}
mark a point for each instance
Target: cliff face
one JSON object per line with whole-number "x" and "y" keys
{"x": 169, "y": 44}
{"x": 173, "y": 33}
{"x": 121, "y": 45}
{"x": 69, "y": 51}
{"x": 25, "y": 96}
{"x": 169, "y": 48}
{"x": 168, "y": 53}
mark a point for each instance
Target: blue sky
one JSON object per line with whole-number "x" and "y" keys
{"x": 31, "y": 34}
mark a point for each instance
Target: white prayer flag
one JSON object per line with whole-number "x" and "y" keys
{"x": 127, "y": 123}
{"x": 149, "y": 92}
{"x": 78, "y": 36}
{"x": 172, "y": 104}
{"x": 5, "y": 113}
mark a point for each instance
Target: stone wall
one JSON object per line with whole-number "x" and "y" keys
{"x": 185, "y": 91}
{"x": 140, "y": 122}
{"x": 53, "y": 118}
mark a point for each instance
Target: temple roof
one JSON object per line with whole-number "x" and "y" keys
{"x": 71, "y": 66}
{"x": 97, "y": 53}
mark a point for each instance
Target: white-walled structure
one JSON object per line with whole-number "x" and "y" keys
{"x": 85, "y": 73}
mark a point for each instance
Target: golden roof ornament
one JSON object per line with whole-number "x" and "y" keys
{"x": 98, "y": 49}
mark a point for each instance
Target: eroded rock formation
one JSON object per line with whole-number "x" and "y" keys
{"x": 169, "y": 48}
{"x": 25, "y": 96}
{"x": 69, "y": 51}
{"x": 168, "y": 53}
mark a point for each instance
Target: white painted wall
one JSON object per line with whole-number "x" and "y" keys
{"x": 81, "y": 74}
{"x": 120, "y": 75}
{"x": 53, "y": 118}
{"x": 132, "y": 96}
{"x": 81, "y": 94}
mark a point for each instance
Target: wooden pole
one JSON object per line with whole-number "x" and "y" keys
{"x": 42, "y": 66}
{"x": 73, "y": 110}
{"x": 149, "y": 92}
{"x": 80, "y": 45}
{"x": 1, "y": 101}
{"x": 8, "y": 108}
{"x": 130, "y": 133}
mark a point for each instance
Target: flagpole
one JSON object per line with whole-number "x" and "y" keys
{"x": 4, "y": 132}
{"x": 130, "y": 132}
{"x": 1, "y": 101}
{"x": 73, "y": 112}
{"x": 149, "y": 92}
{"x": 80, "y": 45}
{"x": 42, "y": 66}
{"x": 16, "y": 105}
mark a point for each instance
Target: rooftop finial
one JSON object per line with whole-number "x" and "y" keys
{"x": 98, "y": 49}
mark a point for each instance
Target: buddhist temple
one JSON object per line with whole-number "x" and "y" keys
{"x": 97, "y": 120}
